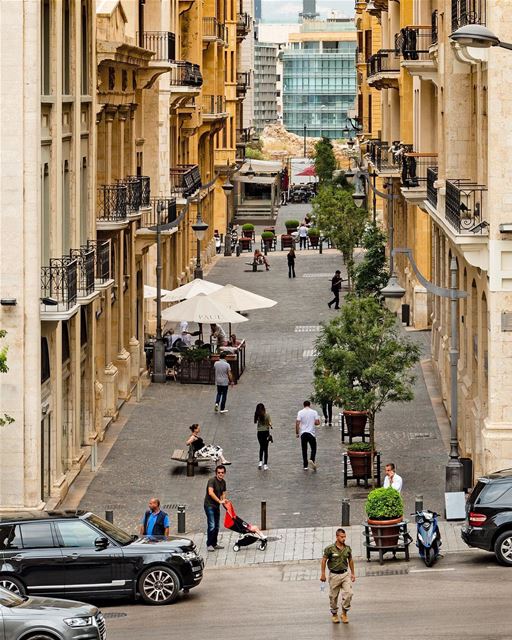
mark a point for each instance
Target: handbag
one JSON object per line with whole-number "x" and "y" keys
{"x": 270, "y": 438}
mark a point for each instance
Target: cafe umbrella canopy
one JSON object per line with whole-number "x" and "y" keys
{"x": 201, "y": 309}
{"x": 190, "y": 290}
{"x": 240, "y": 299}
{"x": 150, "y": 292}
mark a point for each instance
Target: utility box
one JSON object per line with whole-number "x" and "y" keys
{"x": 406, "y": 314}
{"x": 467, "y": 472}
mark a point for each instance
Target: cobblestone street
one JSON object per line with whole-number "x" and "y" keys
{"x": 279, "y": 373}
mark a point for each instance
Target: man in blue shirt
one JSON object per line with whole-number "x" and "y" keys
{"x": 154, "y": 522}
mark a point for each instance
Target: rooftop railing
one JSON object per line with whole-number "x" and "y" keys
{"x": 464, "y": 208}
{"x": 185, "y": 179}
{"x": 162, "y": 43}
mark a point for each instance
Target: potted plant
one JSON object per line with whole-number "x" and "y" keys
{"x": 360, "y": 455}
{"x": 287, "y": 241}
{"x": 248, "y": 230}
{"x": 355, "y": 421}
{"x": 313, "y": 235}
{"x": 385, "y": 509}
{"x": 267, "y": 238}
{"x": 291, "y": 226}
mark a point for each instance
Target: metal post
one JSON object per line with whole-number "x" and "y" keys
{"x": 159, "y": 373}
{"x": 198, "y": 271}
{"x": 391, "y": 235}
{"x": 227, "y": 243}
{"x": 320, "y": 241}
{"x": 94, "y": 456}
{"x": 305, "y": 130}
{"x": 345, "y": 512}
{"x": 181, "y": 518}
{"x": 418, "y": 503}
{"x": 454, "y": 471}
{"x": 109, "y": 516}
{"x": 263, "y": 516}
{"x": 374, "y": 176}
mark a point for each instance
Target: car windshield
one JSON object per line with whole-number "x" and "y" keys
{"x": 110, "y": 530}
{"x": 10, "y": 599}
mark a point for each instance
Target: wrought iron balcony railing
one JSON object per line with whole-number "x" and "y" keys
{"x": 213, "y": 29}
{"x": 186, "y": 74}
{"x": 133, "y": 186}
{"x": 85, "y": 262}
{"x": 213, "y": 105}
{"x": 59, "y": 282}
{"x": 466, "y": 12}
{"x": 145, "y": 196}
{"x": 243, "y": 81}
{"x": 464, "y": 208}
{"x": 185, "y": 179}
{"x": 432, "y": 173}
{"x": 243, "y": 136}
{"x": 384, "y": 61}
{"x": 435, "y": 27}
{"x": 243, "y": 24}
{"x": 163, "y": 211}
{"x": 162, "y": 43}
{"x": 413, "y": 43}
{"x": 415, "y": 166}
{"x": 102, "y": 259}
{"x": 112, "y": 202}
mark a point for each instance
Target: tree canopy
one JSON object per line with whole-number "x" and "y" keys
{"x": 4, "y": 419}
{"x": 325, "y": 160}
{"x": 372, "y": 273}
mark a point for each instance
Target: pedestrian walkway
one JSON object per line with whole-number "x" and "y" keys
{"x": 280, "y": 352}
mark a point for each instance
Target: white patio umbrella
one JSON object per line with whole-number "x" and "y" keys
{"x": 150, "y": 292}
{"x": 240, "y": 299}
{"x": 190, "y": 290}
{"x": 201, "y": 309}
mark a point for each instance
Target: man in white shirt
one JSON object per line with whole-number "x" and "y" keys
{"x": 303, "y": 236}
{"x": 305, "y": 428}
{"x": 392, "y": 479}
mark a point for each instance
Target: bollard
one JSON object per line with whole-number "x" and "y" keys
{"x": 345, "y": 512}
{"x": 320, "y": 247}
{"x": 109, "y": 516}
{"x": 265, "y": 248}
{"x": 181, "y": 518}
{"x": 94, "y": 456}
{"x": 418, "y": 503}
{"x": 263, "y": 516}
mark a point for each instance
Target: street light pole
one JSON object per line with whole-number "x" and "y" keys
{"x": 199, "y": 228}
{"x": 228, "y": 190}
{"x": 305, "y": 131}
{"x": 159, "y": 370}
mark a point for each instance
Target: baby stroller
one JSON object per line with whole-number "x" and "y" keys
{"x": 249, "y": 534}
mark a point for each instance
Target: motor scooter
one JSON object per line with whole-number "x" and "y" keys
{"x": 428, "y": 536}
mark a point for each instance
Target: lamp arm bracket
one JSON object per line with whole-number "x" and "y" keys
{"x": 381, "y": 194}
{"x": 506, "y": 45}
{"x": 430, "y": 286}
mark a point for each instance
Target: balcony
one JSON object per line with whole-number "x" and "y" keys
{"x": 384, "y": 69}
{"x": 161, "y": 43}
{"x": 59, "y": 284}
{"x": 167, "y": 214}
{"x": 466, "y": 12}
{"x": 138, "y": 193}
{"x": 112, "y": 207}
{"x": 186, "y": 74}
{"x": 185, "y": 180}
{"x": 435, "y": 27}
{"x": 413, "y": 45}
{"x": 381, "y": 155}
{"x": 243, "y": 82}
{"x": 214, "y": 107}
{"x": 85, "y": 263}
{"x": 464, "y": 207}
{"x": 432, "y": 173}
{"x": 415, "y": 166}
{"x": 243, "y": 25}
{"x": 214, "y": 31}
{"x": 102, "y": 269}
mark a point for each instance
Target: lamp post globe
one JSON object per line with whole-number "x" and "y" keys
{"x": 393, "y": 293}
{"x": 475, "y": 35}
{"x": 228, "y": 187}
{"x": 200, "y": 228}
{"x": 358, "y": 197}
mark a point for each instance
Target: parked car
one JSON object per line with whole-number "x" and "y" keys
{"x": 48, "y": 619}
{"x": 79, "y": 554}
{"x": 488, "y": 523}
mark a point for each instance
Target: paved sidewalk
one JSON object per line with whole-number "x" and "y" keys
{"x": 279, "y": 373}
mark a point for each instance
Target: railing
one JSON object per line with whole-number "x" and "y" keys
{"x": 432, "y": 173}
{"x": 243, "y": 81}
{"x": 185, "y": 179}
{"x": 145, "y": 196}
{"x": 213, "y": 105}
{"x": 243, "y": 24}
{"x": 163, "y": 211}
{"x": 212, "y": 28}
{"x": 102, "y": 258}
{"x": 466, "y": 12}
{"x": 384, "y": 61}
{"x": 243, "y": 136}
{"x": 85, "y": 261}
{"x": 59, "y": 282}
{"x": 186, "y": 74}
{"x": 435, "y": 27}
{"x": 413, "y": 43}
{"x": 162, "y": 43}
{"x": 133, "y": 192}
{"x": 464, "y": 206}
{"x": 414, "y": 168}
{"x": 112, "y": 202}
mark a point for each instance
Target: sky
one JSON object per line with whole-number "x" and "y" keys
{"x": 288, "y": 10}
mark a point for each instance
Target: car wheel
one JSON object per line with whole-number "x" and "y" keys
{"x": 159, "y": 585}
{"x": 13, "y": 584}
{"x": 41, "y": 637}
{"x": 503, "y": 548}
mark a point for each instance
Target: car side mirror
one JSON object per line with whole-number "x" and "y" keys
{"x": 101, "y": 543}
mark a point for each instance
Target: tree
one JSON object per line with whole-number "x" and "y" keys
{"x": 5, "y": 419}
{"x": 325, "y": 160}
{"x": 372, "y": 274}
{"x": 339, "y": 219}
{"x": 362, "y": 362}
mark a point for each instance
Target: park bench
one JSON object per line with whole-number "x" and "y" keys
{"x": 255, "y": 264}
{"x": 187, "y": 456}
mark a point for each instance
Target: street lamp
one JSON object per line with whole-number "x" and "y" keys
{"x": 159, "y": 369}
{"x": 305, "y": 133}
{"x": 228, "y": 187}
{"x": 250, "y": 173}
{"x": 454, "y": 469}
{"x": 199, "y": 228}
{"x": 478, "y": 36}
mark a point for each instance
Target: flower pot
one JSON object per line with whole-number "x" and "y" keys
{"x": 247, "y": 234}
{"x": 313, "y": 241}
{"x": 286, "y": 242}
{"x": 290, "y": 230}
{"x": 360, "y": 461}
{"x": 385, "y": 532}
{"x": 355, "y": 422}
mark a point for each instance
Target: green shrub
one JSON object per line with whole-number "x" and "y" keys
{"x": 313, "y": 233}
{"x": 247, "y": 227}
{"x": 267, "y": 235}
{"x": 384, "y": 504}
{"x": 359, "y": 446}
{"x": 292, "y": 224}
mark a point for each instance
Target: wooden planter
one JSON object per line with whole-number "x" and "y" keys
{"x": 356, "y": 423}
{"x": 313, "y": 241}
{"x": 290, "y": 230}
{"x": 268, "y": 243}
{"x": 248, "y": 234}
{"x": 196, "y": 372}
{"x": 360, "y": 461}
{"x": 286, "y": 242}
{"x": 245, "y": 243}
{"x": 385, "y": 532}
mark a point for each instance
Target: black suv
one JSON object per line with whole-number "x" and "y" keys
{"x": 489, "y": 516}
{"x": 80, "y": 555}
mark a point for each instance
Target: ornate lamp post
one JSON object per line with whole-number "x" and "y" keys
{"x": 228, "y": 190}
{"x": 199, "y": 228}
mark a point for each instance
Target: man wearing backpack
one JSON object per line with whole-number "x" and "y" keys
{"x": 154, "y": 522}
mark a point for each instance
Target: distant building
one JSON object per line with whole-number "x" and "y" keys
{"x": 265, "y": 91}
{"x": 319, "y": 77}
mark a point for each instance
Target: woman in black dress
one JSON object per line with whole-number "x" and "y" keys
{"x": 264, "y": 424}
{"x": 202, "y": 450}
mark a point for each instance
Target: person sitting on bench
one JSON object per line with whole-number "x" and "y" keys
{"x": 259, "y": 258}
{"x": 202, "y": 450}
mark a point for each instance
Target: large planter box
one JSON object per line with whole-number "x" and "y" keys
{"x": 287, "y": 242}
{"x": 196, "y": 372}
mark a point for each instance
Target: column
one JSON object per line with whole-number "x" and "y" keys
{"x": 123, "y": 356}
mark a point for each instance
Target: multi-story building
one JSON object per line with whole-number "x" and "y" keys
{"x": 452, "y": 170}
{"x": 125, "y": 124}
{"x": 265, "y": 91}
{"x": 319, "y": 77}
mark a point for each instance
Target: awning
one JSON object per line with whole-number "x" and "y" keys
{"x": 257, "y": 179}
